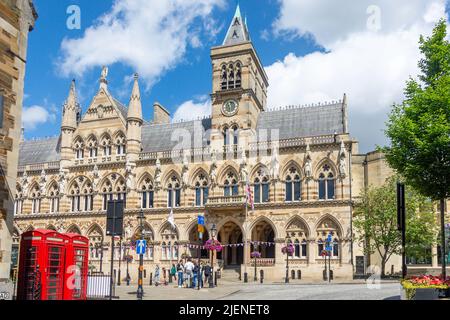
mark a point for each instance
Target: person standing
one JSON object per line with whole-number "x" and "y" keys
{"x": 207, "y": 272}
{"x": 173, "y": 271}
{"x": 180, "y": 270}
{"x": 195, "y": 275}
{"x": 189, "y": 270}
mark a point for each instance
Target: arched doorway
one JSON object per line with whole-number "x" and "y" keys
{"x": 232, "y": 254}
{"x": 194, "y": 240}
{"x": 263, "y": 233}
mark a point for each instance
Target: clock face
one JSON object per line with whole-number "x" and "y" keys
{"x": 230, "y": 108}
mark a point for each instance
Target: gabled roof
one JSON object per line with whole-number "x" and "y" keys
{"x": 237, "y": 32}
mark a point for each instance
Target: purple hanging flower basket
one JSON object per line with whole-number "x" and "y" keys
{"x": 213, "y": 245}
{"x": 289, "y": 249}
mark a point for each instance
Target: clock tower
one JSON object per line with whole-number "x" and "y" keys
{"x": 240, "y": 84}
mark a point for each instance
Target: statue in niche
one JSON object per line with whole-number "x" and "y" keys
{"x": 275, "y": 163}
{"x": 42, "y": 181}
{"x": 158, "y": 173}
{"x": 129, "y": 174}
{"x": 342, "y": 161}
{"x": 308, "y": 163}
{"x": 24, "y": 183}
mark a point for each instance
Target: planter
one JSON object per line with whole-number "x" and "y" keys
{"x": 421, "y": 294}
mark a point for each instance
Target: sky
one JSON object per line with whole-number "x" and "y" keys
{"x": 313, "y": 51}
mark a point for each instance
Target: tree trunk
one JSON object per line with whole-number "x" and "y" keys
{"x": 443, "y": 257}
{"x": 383, "y": 266}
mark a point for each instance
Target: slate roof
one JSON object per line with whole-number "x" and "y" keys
{"x": 39, "y": 151}
{"x": 158, "y": 137}
{"x": 292, "y": 122}
{"x": 304, "y": 121}
{"x": 237, "y": 32}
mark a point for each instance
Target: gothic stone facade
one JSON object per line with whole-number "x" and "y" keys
{"x": 16, "y": 20}
{"x": 297, "y": 161}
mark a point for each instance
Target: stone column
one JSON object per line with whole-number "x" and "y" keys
{"x": 312, "y": 251}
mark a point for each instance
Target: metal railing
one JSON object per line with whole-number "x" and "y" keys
{"x": 98, "y": 286}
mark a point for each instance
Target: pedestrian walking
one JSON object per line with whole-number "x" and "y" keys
{"x": 156, "y": 278}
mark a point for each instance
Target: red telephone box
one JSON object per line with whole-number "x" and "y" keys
{"x": 41, "y": 265}
{"x": 76, "y": 267}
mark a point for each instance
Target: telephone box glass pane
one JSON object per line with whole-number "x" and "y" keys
{"x": 55, "y": 272}
{"x": 32, "y": 279}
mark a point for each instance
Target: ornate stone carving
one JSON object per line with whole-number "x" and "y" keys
{"x": 158, "y": 174}
{"x": 275, "y": 163}
{"x": 129, "y": 172}
{"x": 42, "y": 181}
{"x": 308, "y": 163}
{"x": 24, "y": 182}
{"x": 185, "y": 170}
{"x": 95, "y": 178}
{"x": 213, "y": 171}
{"x": 342, "y": 162}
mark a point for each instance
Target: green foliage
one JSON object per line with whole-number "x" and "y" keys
{"x": 376, "y": 220}
{"x": 419, "y": 128}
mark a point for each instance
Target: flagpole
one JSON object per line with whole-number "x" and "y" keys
{"x": 245, "y": 230}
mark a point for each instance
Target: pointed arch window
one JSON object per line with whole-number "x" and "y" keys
{"x": 235, "y": 134}
{"x": 54, "y": 198}
{"x": 79, "y": 149}
{"x": 326, "y": 184}
{"x": 173, "y": 192}
{"x": 224, "y": 77}
{"x": 231, "y": 187}
{"x": 238, "y": 75}
{"x": 261, "y": 188}
{"x": 18, "y": 202}
{"x": 147, "y": 194}
{"x": 121, "y": 192}
{"x": 36, "y": 200}
{"x": 201, "y": 190}
{"x": 121, "y": 145}
{"x": 75, "y": 198}
{"x": 106, "y": 146}
{"x": 107, "y": 193}
{"x": 88, "y": 198}
{"x": 92, "y": 147}
{"x": 293, "y": 185}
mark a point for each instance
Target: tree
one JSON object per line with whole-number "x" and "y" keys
{"x": 419, "y": 128}
{"x": 376, "y": 222}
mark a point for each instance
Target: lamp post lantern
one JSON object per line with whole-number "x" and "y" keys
{"x": 140, "y": 290}
{"x": 288, "y": 242}
{"x": 211, "y": 275}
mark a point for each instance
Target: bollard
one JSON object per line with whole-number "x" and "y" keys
{"x": 215, "y": 279}
{"x": 151, "y": 278}
{"x": 261, "y": 277}
{"x": 325, "y": 275}
{"x": 331, "y": 274}
{"x": 293, "y": 274}
{"x": 245, "y": 277}
{"x": 299, "y": 274}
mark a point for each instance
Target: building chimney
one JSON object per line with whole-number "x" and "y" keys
{"x": 160, "y": 114}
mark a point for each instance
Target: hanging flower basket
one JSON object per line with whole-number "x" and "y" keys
{"x": 289, "y": 249}
{"x": 325, "y": 253}
{"x": 213, "y": 245}
{"x": 255, "y": 254}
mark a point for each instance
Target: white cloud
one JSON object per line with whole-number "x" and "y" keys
{"x": 150, "y": 36}
{"x": 34, "y": 116}
{"x": 370, "y": 66}
{"x": 193, "y": 110}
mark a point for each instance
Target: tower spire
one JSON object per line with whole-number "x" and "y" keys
{"x": 237, "y": 32}
{"x": 71, "y": 109}
{"x": 135, "y": 106}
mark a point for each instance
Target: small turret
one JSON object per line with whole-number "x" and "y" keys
{"x": 70, "y": 120}
{"x": 134, "y": 122}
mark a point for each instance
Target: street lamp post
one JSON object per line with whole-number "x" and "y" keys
{"x": 101, "y": 256}
{"x": 128, "y": 261}
{"x": 288, "y": 242}
{"x": 120, "y": 259}
{"x": 211, "y": 275}
{"x": 140, "y": 290}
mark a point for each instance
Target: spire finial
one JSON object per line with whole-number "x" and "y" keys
{"x": 103, "y": 78}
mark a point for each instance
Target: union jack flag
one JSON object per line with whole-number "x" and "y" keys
{"x": 249, "y": 196}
